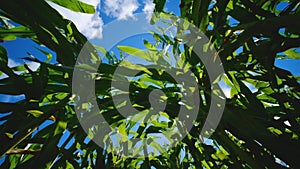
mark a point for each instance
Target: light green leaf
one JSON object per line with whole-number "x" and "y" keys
{"x": 275, "y": 131}
{"x": 75, "y": 5}
{"x": 292, "y": 54}
{"x": 122, "y": 131}
{"x": 69, "y": 165}
{"x": 60, "y": 127}
{"x": 157, "y": 146}
{"x": 151, "y": 56}
{"x": 132, "y": 66}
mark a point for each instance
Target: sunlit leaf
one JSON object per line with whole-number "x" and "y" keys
{"x": 76, "y": 6}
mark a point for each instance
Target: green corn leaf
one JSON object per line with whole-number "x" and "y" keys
{"x": 75, "y": 5}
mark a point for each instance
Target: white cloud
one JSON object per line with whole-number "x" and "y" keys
{"x": 12, "y": 63}
{"x": 121, "y": 9}
{"x": 91, "y": 25}
{"x": 148, "y": 8}
{"x": 91, "y": 2}
{"x": 33, "y": 65}
{"x": 251, "y": 87}
{"x": 225, "y": 88}
{"x": 88, "y": 24}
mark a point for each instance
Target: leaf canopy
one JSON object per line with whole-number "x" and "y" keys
{"x": 261, "y": 121}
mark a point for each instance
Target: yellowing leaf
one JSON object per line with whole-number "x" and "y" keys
{"x": 52, "y": 118}
{"x": 35, "y": 113}
{"x": 9, "y": 135}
